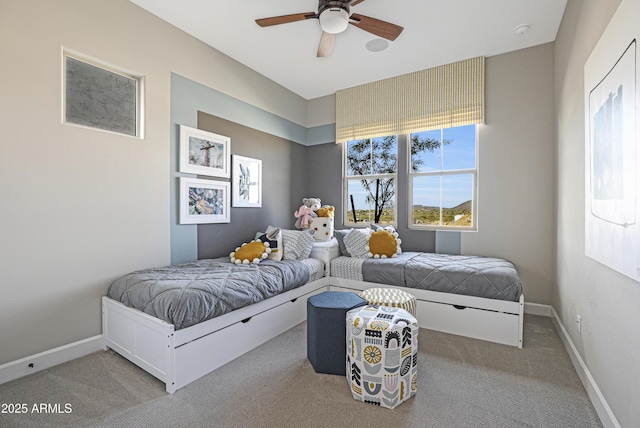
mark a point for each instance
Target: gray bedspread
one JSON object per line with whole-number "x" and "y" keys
{"x": 190, "y": 293}
{"x": 470, "y": 275}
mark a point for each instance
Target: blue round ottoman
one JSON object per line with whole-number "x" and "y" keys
{"x": 327, "y": 330}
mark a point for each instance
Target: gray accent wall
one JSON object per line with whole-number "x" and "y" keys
{"x": 283, "y": 186}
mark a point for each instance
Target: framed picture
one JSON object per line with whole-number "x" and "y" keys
{"x": 612, "y": 146}
{"x": 247, "y": 182}
{"x": 204, "y": 153}
{"x": 101, "y": 97}
{"x": 203, "y": 201}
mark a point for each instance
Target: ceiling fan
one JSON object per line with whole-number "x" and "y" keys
{"x": 335, "y": 17}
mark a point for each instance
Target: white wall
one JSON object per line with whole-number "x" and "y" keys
{"x": 606, "y": 300}
{"x": 80, "y": 207}
{"x": 516, "y": 169}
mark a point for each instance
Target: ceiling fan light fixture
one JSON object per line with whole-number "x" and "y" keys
{"x": 334, "y": 20}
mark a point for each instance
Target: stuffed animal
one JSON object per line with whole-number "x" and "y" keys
{"x": 306, "y": 212}
{"x": 326, "y": 211}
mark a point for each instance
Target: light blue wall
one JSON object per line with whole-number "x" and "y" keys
{"x": 448, "y": 242}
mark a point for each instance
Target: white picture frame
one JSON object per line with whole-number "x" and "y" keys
{"x": 612, "y": 145}
{"x": 246, "y": 182}
{"x": 204, "y": 201}
{"x": 204, "y": 153}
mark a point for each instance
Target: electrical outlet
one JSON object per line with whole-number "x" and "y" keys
{"x": 579, "y": 323}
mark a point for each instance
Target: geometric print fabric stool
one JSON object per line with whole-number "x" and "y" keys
{"x": 382, "y": 354}
{"x": 390, "y": 297}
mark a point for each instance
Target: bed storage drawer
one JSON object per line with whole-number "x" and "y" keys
{"x": 497, "y": 321}
{"x": 197, "y": 358}
{"x": 481, "y": 324}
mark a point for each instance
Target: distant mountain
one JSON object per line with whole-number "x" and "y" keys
{"x": 465, "y": 206}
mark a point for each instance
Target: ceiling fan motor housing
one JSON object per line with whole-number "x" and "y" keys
{"x": 334, "y": 16}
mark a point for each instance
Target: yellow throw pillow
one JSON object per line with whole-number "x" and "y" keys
{"x": 383, "y": 243}
{"x": 253, "y": 252}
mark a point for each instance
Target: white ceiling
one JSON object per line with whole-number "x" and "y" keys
{"x": 435, "y": 32}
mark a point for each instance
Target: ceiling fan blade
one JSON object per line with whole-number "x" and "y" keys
{"x": 325, "y": 48}
{"x": 285, "y": 19}
{"x": 355, "y": 2}
{"x": 375, "y": 26}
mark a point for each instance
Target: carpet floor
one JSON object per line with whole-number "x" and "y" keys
{"x": 462, "y": 382}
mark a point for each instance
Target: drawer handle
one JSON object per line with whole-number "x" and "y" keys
{"x": 459, "y": 307}
{"x": 246, "y": 320}
{"x": 294, "y": 300}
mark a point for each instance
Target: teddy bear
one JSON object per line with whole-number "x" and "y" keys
{"x": 306, "y": 212}
{"x": 326, "y": 211}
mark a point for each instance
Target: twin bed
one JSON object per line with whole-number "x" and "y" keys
{"x": 181, "y": 322}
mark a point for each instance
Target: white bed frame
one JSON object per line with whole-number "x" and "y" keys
{"x": 180, "y": 357}
{"x": 499, "y": 321}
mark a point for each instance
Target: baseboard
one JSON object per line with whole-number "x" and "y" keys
{"x": 29, "y": 365}
{"x": 537, "y": 309}
{"x": 607, "y": 417}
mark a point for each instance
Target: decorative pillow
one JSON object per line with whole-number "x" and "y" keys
{"x": 274, "y": 238}
{"x": 375, "y": 227}
{"x": 340, "y": 234}
{"x": 356, "y": 242}
{"x": 252, "y": 252}
{"x": 297, "y": 244}
{"x": 383, "y": 243}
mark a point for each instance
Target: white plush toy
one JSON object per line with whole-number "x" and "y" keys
{"x": 306, "y": 212}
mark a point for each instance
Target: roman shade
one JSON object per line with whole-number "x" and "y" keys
{"x": 440, "y": 97}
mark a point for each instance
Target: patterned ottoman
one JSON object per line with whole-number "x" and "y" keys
{"x": 326, "y": 313}
{"x": 382, "y": 355}
{"x": 390, "y": 297}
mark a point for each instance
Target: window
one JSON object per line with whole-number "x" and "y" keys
{"x": 371, "y": 167}
{"x": 442, "y": 179}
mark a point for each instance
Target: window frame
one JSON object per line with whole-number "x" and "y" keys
{"x": 442, "y": 173}
{"x": 345, "y": 186}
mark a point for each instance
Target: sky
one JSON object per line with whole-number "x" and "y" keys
{"x": 460, "y": 153}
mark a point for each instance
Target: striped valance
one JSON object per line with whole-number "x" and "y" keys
{"x": 440, "y": 97}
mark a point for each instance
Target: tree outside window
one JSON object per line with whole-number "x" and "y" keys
{"x": 371, "y": 169}
{"x": 373, "y": 164}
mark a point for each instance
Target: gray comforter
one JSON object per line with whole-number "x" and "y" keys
{"x": 470, "y": 275}
{"x": 190, "y": 293}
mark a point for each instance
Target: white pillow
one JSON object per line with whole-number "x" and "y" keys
{"x": 297, "y": 243}
{"x": 274, "y": 237}
{"x": 357, "y": 243}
